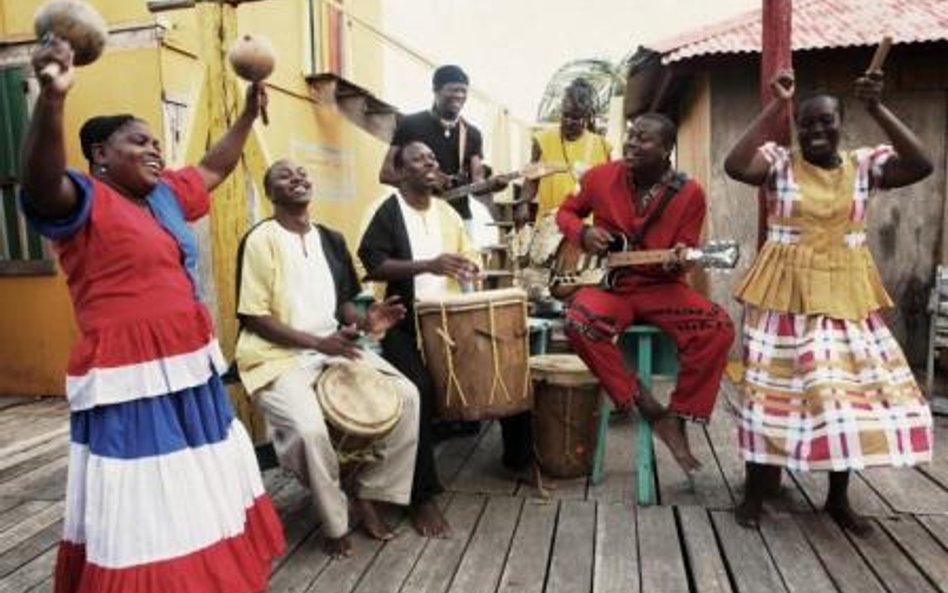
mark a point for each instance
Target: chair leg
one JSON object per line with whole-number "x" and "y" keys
{"x": 603, "y": 427}
{"x": 644, "y": 451}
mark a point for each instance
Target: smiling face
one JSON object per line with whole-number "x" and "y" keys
{"x": 818, "y": 129}
{"x": 287, "y": 184}
{"x": 646, "y": 146}
{"x": 131, "y": 158}
{"x": 450, "y": 99}
{"x": 418, "y": 167}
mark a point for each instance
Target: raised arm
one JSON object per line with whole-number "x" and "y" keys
{"x": 744, "y": 162}
{"x": 911, "y": 162}
{"x": 221, "y": 159}
{"x": 47, "y": 189}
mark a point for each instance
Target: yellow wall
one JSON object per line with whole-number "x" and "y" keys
{"x": 36, "y": 319}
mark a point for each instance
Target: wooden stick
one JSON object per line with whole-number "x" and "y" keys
{"x": 878, "y": 58}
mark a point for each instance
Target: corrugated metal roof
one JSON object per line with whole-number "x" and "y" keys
{"x": 819, "y": 24}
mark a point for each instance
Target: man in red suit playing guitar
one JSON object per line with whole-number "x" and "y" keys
{"x": 643, "y": 199}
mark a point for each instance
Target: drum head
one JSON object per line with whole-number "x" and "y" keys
{"x": 473, "y": 300}
{"x": 561, "y": 369}
{"x": 358, "y": 399}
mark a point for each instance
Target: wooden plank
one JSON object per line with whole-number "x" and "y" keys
{"x": 340, "y": 576}
{"x": 30, "y": 574}
{"x": 483, "y": 472}
{"x": 451, "y": 455}
{"x": 38, "y": 445}
{"x": 708, "y": 571}
{"x": 921, "y": 548}
{"x": 710, "y": 489}
{"x": 863, "y": 499}
{"x": 890, "y": 564}
{"x": 21, "y": 512}
{"x": 30, "y": 548}
{"x": 483, "y": 563}
{"x": 393, "y": 563}
{"x": 908, "y": 490}
{"x": 571, "y": 563}
{"x": 799, "y": 566}
{"x": 30, "y": 526}
{"x": 37, "y": 479}
{"x": 722, "y": 434}
{"x": 439, "y": 560}
{"x": 751, "y": 566}
{"x": 44, "y": 587}
{"x": 298, "y": 516}
{"x": 618, "y": 484}
{"x": 616, "y": 564}
{"x": 525, "y": 571}
{"x": 300, "y": 566}
{"x": 937, "y": 526}
{"x": 660, "y": 556}
{"x": 846, "y": 567}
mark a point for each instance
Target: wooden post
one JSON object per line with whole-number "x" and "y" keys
{"x": 775, "y": 55}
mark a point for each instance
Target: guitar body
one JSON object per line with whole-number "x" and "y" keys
{"x": 573, "y": 268}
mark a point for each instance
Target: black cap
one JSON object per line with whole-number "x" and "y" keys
{"x": 448, "y": 74}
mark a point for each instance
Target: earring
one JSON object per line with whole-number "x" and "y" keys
{"x": 101, "y": 169}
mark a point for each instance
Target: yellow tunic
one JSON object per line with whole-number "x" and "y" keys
{"x": 579, "y": 155}
{"x": 815, "y": 260}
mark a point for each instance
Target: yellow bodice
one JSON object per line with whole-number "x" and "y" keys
{"x": 815, "y": 260}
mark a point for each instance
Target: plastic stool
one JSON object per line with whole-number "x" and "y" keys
{"x": 653, "y": 352}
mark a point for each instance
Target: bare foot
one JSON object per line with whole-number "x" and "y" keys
{"x": 668, "y": 429}
{"x": 372, "y": 524}
{"x": 428, "y": 520}
{"x": 338, "y": 547}
{"x": 848, "y": 520}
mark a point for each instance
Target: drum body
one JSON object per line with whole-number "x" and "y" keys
{"x": 567, "y": 401}
{"x": 360, "y": 405}
{"x": 476, "y": 347}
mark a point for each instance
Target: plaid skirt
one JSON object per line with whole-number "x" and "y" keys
{"x": 829, "y": 394}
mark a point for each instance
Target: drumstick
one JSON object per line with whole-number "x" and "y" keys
{"x": 878, "y": 58}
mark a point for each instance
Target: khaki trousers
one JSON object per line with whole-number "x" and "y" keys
{"x": 301, "y": 440}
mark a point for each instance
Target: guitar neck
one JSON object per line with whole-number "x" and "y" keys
{"x": 478, "y": 186}
{"x": 621, "y": 259}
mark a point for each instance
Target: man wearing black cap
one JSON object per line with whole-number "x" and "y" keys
{"x": 443, "y": 129}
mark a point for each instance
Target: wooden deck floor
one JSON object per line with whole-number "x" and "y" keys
{"x": 509, "y": 540}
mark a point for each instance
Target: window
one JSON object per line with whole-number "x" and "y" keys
{"x": 22, "y": 251}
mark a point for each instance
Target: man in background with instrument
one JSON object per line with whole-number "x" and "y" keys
{"x": 457, "y": 144}
{"x": 574, "y": 143}
{"x": 644, "y": 200}
{"x": 296, "y": 283}
{"x": 418, "y": 246}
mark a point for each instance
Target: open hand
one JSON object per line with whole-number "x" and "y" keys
{"x": 783, "y": 85}
{"x": 381, "y": 316}
{"x": 453, "y": 265}
{"x": 52, "y": 63}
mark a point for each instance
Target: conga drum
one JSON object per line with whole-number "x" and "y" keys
{"x": 565, "y": 414}
{"x": 360, "y": 405}
{"x": 476, "y": 347}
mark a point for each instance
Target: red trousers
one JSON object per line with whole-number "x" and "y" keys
{"x": 701, "y": 330}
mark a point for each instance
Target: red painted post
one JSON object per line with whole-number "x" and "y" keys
{"x": 775, "y": 54}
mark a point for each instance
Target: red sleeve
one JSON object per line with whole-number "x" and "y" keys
{"x": 573, "y": 211}
{"x": 189, "y": 188}
{"x": 689, "y": 231}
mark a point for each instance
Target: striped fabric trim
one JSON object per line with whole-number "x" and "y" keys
{"x": 140, "y": 511}
{"x": 105, "y": 386}
{"x": 159, "y": 425}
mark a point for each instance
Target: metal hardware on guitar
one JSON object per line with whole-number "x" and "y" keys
{"x": 531, "y": 171}
{"x": 573, "y": 267}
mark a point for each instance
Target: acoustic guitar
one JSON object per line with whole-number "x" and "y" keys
{"x": 532, "y": 171}
{"x": 574, "y": 268}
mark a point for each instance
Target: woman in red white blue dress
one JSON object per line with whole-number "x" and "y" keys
{"x": 163, "y": 493}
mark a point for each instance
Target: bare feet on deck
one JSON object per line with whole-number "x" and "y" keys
{"x": 372, "y": 524}
{"x": 848, "y": 520}
{"x": 428, "y": 520}
{"x": 338, "y": 547}
{"x": 668, "y": 428}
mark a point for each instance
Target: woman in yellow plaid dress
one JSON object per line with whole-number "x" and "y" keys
{"x": 826, "y": 387}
